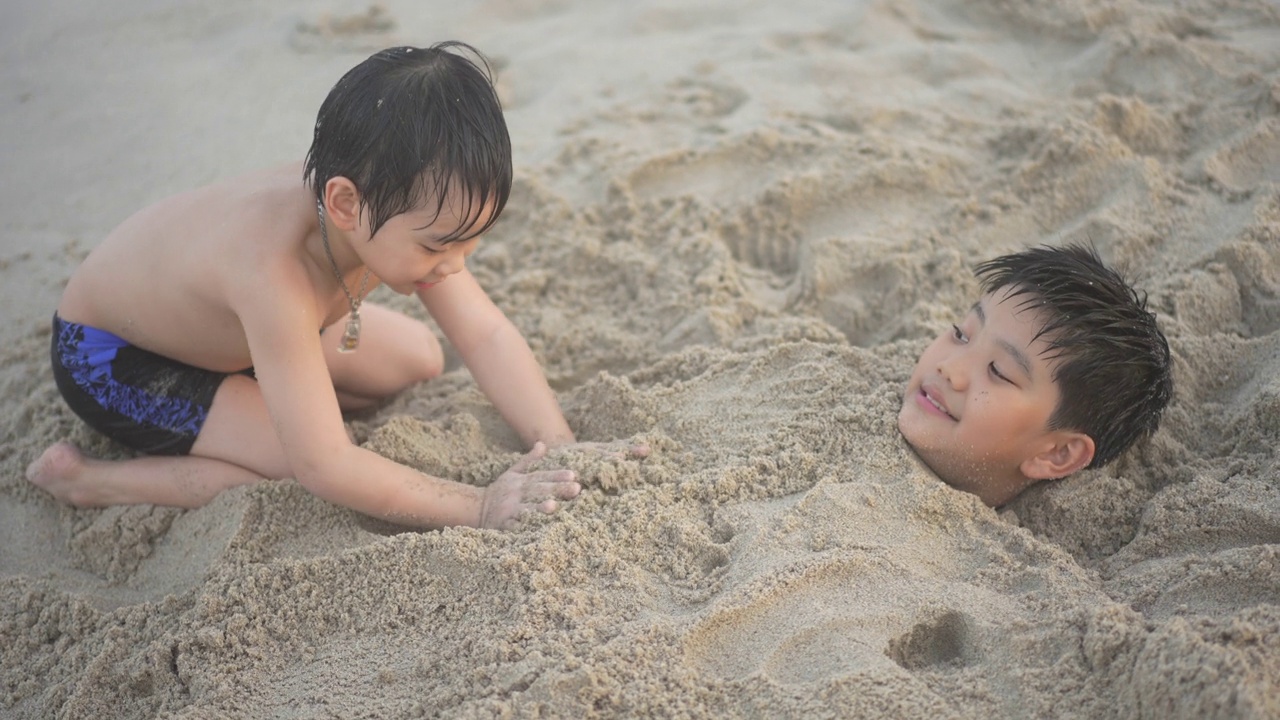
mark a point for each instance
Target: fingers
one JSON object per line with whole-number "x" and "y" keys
{"x": 566, "y": 490}
{"x": 546, "y": 506}
{"x": 550, "y": 477}
{"x": 549, "y": 484}
{"x": 529, "y": 492}
{"x": 538, "y": 452}
{"x": 542, "y": 494}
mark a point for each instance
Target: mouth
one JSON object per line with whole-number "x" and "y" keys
{"x": 423, "y": 285}
{"x": 932, "y": 402}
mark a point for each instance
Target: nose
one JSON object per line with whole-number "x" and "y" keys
{"x": 954, "y": 369}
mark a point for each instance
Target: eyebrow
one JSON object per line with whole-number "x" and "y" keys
{"x": 1014, "y": 351}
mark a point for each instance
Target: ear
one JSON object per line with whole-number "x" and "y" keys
{"x": 1070, "y": 451}
{"x": 342, "y": 203}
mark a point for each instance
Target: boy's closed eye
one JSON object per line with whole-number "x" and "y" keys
{"x": 995, "y": 371}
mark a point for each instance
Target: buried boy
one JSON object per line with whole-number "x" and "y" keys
{"x": 222, "y": 332}
{"x": 1059, "y": 366}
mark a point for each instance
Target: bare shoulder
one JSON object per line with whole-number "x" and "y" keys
{"x": 229, "y": 227}
{"x": 175, "y": 276}
{"x": 266, "y": 268}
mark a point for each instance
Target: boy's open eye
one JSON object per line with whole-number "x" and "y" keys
{"x": 958, "y": 333}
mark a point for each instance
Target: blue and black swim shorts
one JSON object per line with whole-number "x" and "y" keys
{"x": 143, "y": 400}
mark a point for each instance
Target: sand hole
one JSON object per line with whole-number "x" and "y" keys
{"x": 934, "y": 642}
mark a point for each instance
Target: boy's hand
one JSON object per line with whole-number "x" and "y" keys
{"x": 518, "y": 491}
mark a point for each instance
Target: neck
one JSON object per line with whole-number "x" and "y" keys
{"x": 340, "y": 260}
{"x": 335, "y": 248}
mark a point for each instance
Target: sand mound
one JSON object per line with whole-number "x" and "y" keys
{"x": 733, "y": 229}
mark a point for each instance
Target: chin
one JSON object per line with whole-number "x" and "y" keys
{"x": 965, "y": 476}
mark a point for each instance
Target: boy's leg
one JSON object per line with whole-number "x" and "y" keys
{"x": 396, "y": 352}
{"x": 174, "y": 481}
{"x": 237, "y": 445}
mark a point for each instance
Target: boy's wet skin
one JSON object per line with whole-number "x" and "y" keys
{"x": 156, "y": 328}
{"x": 1058, "y": 367}
{"x": 978, "y": 403}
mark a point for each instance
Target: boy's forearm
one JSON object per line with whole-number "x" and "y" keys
{"x": 509, "y": 375}
{"x": 373, "y": 485}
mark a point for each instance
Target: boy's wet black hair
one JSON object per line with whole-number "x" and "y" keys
{"x": 411, "y": 121}
{"x": 1111, "y": 362}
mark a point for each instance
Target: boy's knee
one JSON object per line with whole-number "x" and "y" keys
{"x": 429, "y": 368}
{"x": 428, "y": 361}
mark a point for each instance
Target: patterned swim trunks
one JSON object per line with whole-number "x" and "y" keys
{"x": 143, "y": 400}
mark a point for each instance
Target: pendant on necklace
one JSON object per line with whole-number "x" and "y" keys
{"x": 351, "y": 338}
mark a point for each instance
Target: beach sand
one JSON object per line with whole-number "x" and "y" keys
{"x": 734, "y": 227}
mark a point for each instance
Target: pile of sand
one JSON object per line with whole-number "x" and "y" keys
{"x": 735, "y": 225}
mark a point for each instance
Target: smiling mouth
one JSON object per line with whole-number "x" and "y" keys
{"x": 924, "y": 394}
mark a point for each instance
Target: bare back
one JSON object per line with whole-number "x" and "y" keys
{"x": 167, "y": 278}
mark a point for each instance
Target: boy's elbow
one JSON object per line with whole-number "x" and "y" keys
{"x": 321, "y": 472}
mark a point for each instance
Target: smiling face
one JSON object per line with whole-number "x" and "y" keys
{"x": 407, "y": 253}
{"x": 977, "y": 407}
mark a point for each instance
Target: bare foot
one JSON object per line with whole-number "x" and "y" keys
{"x": 57, "y": 471}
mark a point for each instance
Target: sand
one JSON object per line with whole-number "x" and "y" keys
{"x": 734, "y": 227}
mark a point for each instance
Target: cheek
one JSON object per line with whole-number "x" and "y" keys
{"x": 930, "y": 354}
{"x": 419, "y": 259}
{"x": 904, "y": 421}
{"x": 994, "y": 422}
{"x": 927, "y": 360}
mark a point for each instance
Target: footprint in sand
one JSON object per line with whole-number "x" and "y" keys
{"x": 828, "y": 620}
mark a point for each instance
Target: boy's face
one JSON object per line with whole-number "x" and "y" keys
{"x": 407, "y": 255}
{"x": 978, "y": 403}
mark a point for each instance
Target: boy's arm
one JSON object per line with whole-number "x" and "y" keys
{"x": 281, "y": 324}
{"x": 498, "y": 357}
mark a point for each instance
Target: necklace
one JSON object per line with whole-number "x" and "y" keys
{"x": 351, "y": 338}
